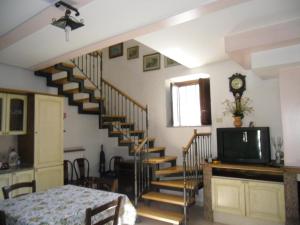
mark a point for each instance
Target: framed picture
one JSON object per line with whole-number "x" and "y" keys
{"x": 133, "y": 52}
{"x": 170, "y": 62}
{"x": 116, "y": 50}
{"x": 151, "y": 62}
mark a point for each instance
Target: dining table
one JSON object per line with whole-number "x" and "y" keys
{"x": 65, "y": 205}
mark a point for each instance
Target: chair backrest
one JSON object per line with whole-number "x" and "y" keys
{"x": 2, "y": 218}
{"x": 81, "y": 168}
{"x": 68, "y": 172}
{"x": 7, "y": 189}
{"x": 115, "y": 204}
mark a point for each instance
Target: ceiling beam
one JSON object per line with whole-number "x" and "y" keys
{"x": 172, "y": 21}
{"x": 240, "y": 46}
{"x": 34, "y": 24}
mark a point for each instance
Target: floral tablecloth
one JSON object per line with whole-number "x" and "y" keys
{"x": 62, "y": 206}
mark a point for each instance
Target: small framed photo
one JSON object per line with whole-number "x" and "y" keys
{"x": 151, "y": 62}
{"x": 133, "y": 52}
{"x": 170, "y": 62}
{"x": 116, "y": 50}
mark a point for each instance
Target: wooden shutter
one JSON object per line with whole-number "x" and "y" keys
{"x": 205, "y": 107}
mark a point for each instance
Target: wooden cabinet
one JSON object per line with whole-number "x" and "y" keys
{"x": 228, "y": 196}
{"x": 250, "y": 198}
{"x": 16, "y": 177}
{"x": 49, "y": 177}
{"x": 2, "y": 113}
{"x": 48, "y": 130}
{"x": 265, "y": 200}
{"x": 5, "y": 179}
{"x": 13, "y": 114}
{"x": 22, "y": 176}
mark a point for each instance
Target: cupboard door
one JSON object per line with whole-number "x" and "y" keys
{"x": 228, "y": 195}
{"x": 49, "y": 177}
{"x": 5, "y": 180}
{"x": 2, "y": 113}
{"x": 48, "y": 140}
{"x": 16, "y": 114}
{"x": 265, "y": 201}
{"x": 19, "y": 177}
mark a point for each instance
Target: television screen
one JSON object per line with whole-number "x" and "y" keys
{"x": 248, "y": 145}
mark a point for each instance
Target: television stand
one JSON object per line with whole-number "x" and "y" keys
{"x": 246, "y": 194}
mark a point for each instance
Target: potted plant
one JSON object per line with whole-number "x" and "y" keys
{"x": 238, "y": 109}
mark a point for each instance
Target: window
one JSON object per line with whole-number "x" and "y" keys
{"x": 191, "y": 102}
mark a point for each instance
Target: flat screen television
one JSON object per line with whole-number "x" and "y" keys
{"x": 244, "y": 145}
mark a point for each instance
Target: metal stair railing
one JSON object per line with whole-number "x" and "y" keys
{"x": 118, "y": 103}
{"x": 195, "y": 153}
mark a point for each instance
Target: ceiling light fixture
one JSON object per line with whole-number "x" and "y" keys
{"x": 67, "y": 22}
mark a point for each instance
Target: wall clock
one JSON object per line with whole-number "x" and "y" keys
{"x": 237, "y": 84}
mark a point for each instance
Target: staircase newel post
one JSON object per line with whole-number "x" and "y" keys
{"x": 184, "y": 154}
{"x": 147, "y": 148}
{"x": 135, "y": 180}
{"x": 101, "y": 93}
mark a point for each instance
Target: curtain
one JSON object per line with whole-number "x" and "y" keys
{"x": 204, "y": 87}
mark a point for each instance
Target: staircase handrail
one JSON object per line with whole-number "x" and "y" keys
{"x": 194, "y": 153}
{"x": 124, "y": 94}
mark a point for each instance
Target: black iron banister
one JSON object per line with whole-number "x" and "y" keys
{"x": 195, "y": 153}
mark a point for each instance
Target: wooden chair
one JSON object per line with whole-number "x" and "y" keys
{"x": 2, "y": 218}
{"x": 113, "y": 218}
{"x": 68, "y": 167}
{"x": 106, "y": 184}
{"x": 7, "y": 189}
{"x": 82, "y": 171}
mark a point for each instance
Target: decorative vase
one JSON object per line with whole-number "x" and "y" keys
{"x": 237, "y": 121}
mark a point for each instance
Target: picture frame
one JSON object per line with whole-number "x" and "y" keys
{"x": 133, "y": 52}
{"x": 151, "y": 62}
{"x": 170, "y": 62}
{"x": 116, "y": 50}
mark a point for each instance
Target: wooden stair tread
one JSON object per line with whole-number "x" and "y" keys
{"x": 156, "y": 149}
{"x": 91, "y": 109}
{"x": 82, "y": 100}
{"x": 51, "y": 70}
{"x": 160, "y": 214}
{"x": 80, "y": 77}
{"x": 163, "y": 159}
{"x": 121, "y": 124}
{"x": 127, "y": 132}
{"x": 169, "y": 171}
{"x": 63, "y": 80}
{"x": 92, "y": 88}
{"x": 114, "y": 116}
{"x": 164, "y": 197}
{"x": 190, "y": 184}
{"x": 72, "y": 90}
{"x": 131, "y": 140}
{"x": 69, "y": 65}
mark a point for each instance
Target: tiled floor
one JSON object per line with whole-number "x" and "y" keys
{"x": 195, "y": 218}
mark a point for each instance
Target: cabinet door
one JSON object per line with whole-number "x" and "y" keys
{"x": 265, "y": 200}
{"x": 16, "y": 114}
{"x": 2, "y": 113}
{"x": 5, "y": 180}
{"x": 19, "y": 177}
{"x": 48, "y": 140}
{"x": 49, "y": 177}
{"x": 228, "y": 195}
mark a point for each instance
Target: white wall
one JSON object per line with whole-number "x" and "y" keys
{"x": 151, "y": 88}
{"x": 81, "y": 130}
{"x": 290, "y": 108}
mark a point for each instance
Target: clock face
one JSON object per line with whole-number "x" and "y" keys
{"x": 237, "y": 83}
